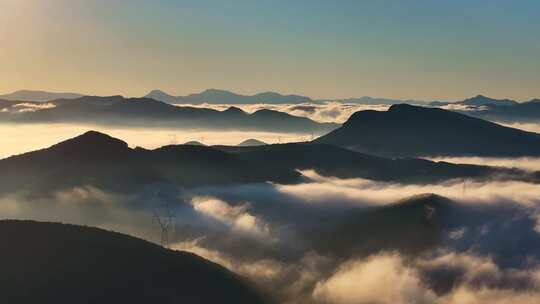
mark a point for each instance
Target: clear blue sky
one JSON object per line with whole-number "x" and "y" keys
{"x": 324, "y": 49}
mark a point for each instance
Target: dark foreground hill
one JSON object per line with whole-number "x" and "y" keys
{"x": 57, "y": 263}
{"x": 410, "y": 131}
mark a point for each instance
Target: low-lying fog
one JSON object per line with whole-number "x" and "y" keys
{"x": 309, "y": 243}
{"x": 322, "y": 112}
{"x": 20, "y": 138}
{"x": 525, "y": 163}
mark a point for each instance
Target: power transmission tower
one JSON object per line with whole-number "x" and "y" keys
{"x": 165, "y": 218}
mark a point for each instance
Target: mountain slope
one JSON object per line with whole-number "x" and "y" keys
{"x": 213, "y": 96}
{"x": 39, "y": 96}
{"x": 409, "y": 131}
{"x": 57, "y": 263}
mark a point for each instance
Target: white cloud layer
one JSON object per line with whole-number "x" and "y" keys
{"x": 236, "y": 217}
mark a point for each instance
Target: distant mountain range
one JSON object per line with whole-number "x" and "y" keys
{"x": 117, "y": 110}
{"x": 213, "y": 96}
{"x": 367, "y": 100}
{"x": 38, "y": 96}
{"x": 58, "y": 263}
{"x": 96, "y": 159}
{"x": 478, "y": 101}
{"x": 504, "y": 110}
{"x": 411, "y": 131}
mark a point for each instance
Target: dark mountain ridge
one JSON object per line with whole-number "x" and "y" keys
{"x": 329, "y": 160}
{"x": 117, "y": 110}
{"x": 96, "y": 159}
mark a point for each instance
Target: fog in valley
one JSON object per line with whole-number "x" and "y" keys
{"x": 21, "y": 138}
{"x": 337, "y": 112}
{"x": 313, "y": 242}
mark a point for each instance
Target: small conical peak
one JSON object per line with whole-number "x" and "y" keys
{"x": 234, "y": 110}
{"x": 157, "y": 92}
{"x": 194, "y": 143}
{"x": 215, "y": 91}
{"x": 251, "y": 143}
{"x": 93, "y": 142}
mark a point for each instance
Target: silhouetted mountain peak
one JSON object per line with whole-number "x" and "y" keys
{"x": 216, "y": 91}
{"x": 269, "y": 113}
{"x": 93, "y": 144}
{"x": 251, "y": 143}
{"x": 404, "y": 107}
{"x": 234, "y": 110}
{"x": 157, "y": 92}
{"x": 158, "y": 95}
{"x": 407, "y": 130}
{"x": 362, "y": 116}
{"x": 95, "y": 137}
{"x": 430, "y": 205}
{"x": 424, "y": 198}
{"x": 194, "y": 143}
{"x": 481, "y": 100}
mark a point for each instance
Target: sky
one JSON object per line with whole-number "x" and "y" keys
{"x": 416, "y": 49}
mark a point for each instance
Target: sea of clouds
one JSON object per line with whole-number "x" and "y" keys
{"x": 290, "y": 239}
